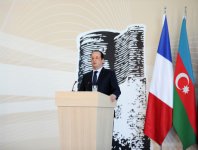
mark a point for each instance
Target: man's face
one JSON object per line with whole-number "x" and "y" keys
{"x": 96, "y": 60}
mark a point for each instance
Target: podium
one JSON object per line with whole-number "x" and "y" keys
{"x": 85, "y": 120}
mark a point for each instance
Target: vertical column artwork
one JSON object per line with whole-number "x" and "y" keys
{"x": 124, "y": 53}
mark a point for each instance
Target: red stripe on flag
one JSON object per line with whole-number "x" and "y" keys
{"x": 158, "y": 120}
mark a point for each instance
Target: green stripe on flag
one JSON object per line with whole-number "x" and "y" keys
{"x": 181, "y": 122}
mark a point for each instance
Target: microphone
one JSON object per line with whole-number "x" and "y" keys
{"x": 73, "y": 86}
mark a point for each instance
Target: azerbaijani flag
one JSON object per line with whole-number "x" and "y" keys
{"x": 158, "y": 120}
{"x": 184, "y": 113}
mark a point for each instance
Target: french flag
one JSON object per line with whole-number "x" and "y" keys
{"x": 158, "y": 120}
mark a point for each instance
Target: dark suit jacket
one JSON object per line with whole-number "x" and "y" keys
{"x": 107, "y": 82}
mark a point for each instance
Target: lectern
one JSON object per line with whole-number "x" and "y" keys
{"x": 85, "y": 120}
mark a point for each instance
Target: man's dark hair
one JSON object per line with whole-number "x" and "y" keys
{"x": 101, "y": 53}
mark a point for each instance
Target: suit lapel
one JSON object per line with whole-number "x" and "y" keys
{"x": 101, "y": 75}
{"x": 89, "y": 81}
{"x": 90, "y": 77}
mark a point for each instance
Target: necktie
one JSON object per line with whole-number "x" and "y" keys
{"x": 95, "y": 78}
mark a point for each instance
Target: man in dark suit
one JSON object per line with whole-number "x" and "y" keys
{"x": 104, "y": 79}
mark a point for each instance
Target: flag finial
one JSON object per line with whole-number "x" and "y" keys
{"x": 165, "y": 10}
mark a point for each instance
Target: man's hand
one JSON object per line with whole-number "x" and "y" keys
{"x": 113, "y": 97}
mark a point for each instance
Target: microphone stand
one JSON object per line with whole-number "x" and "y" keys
{"x": 73, "y": 86}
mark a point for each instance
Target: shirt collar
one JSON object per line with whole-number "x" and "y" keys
{"x": 99, "y": 70}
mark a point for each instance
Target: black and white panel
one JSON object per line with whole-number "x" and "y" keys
{"x": 124, "y": 52}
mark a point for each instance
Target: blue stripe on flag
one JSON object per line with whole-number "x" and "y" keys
{"x": 184, "y": 50}
{"x": 164, "y": 44}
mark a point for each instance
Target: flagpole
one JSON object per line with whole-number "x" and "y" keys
{"x": 160, "y": 147}
{"x": 185, "y": 12}
{"x": 164, "y": 16}
{"x": 165, "y": 8}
